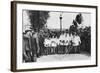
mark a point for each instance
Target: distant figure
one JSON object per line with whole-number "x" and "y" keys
{"x": 76, "y": 43}
{"x": 68, "y": 43}
{"x": 34, "y": 47}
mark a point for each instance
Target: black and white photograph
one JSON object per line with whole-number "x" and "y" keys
{"x": 56, "y": 36}
{"x": 53, "y": 36}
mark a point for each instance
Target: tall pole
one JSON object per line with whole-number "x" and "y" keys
{"x": 60, "y": 22}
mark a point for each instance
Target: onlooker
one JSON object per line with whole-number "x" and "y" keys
{"x": 76, "y": 43}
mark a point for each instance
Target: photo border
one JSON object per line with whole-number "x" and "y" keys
{"x": 14, "y": 35}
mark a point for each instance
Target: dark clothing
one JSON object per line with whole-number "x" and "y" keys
{"x": 29, "y": 49}
{"x": 26, "y": 50}
{"x": 34, "y": 48}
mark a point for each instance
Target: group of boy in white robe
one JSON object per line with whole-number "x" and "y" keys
{"x": 62, "y": 45}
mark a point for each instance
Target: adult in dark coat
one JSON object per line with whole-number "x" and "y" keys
{"x": 29, "y": 47}
{"x": 34, "y": 48}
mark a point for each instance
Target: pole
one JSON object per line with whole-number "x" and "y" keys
{"x": 60, "y": 22}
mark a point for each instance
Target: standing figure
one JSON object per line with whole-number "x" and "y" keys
{"x": 34, "y": 47}
{"x": 26, "y": 46}
{"x": 76, "y": 43}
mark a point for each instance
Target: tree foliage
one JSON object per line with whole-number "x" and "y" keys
{"x": 38, "y": 19}
{"x": 84, "y": 33}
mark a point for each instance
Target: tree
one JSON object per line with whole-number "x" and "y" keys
{"x": 83, "y": 33}
{"x": 85, "y": 36}
{"x": 38, "y": 20}
{"x": 78, "y": 20}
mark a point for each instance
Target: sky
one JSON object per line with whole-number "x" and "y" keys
{"x": 67, "y": 19}
{"x": 53, "y": 22}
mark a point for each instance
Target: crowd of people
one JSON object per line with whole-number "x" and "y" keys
{"x": 65, "y": 44}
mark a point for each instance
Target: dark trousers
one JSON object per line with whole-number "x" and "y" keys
{"x": 76, "y": 49}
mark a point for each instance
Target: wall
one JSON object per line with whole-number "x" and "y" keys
{"x": 5, "y": 37}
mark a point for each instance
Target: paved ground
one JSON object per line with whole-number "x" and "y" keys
{"x": 64, "y": 57}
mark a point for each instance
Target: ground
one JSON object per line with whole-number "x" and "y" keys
{"x": 63, "y": 57}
